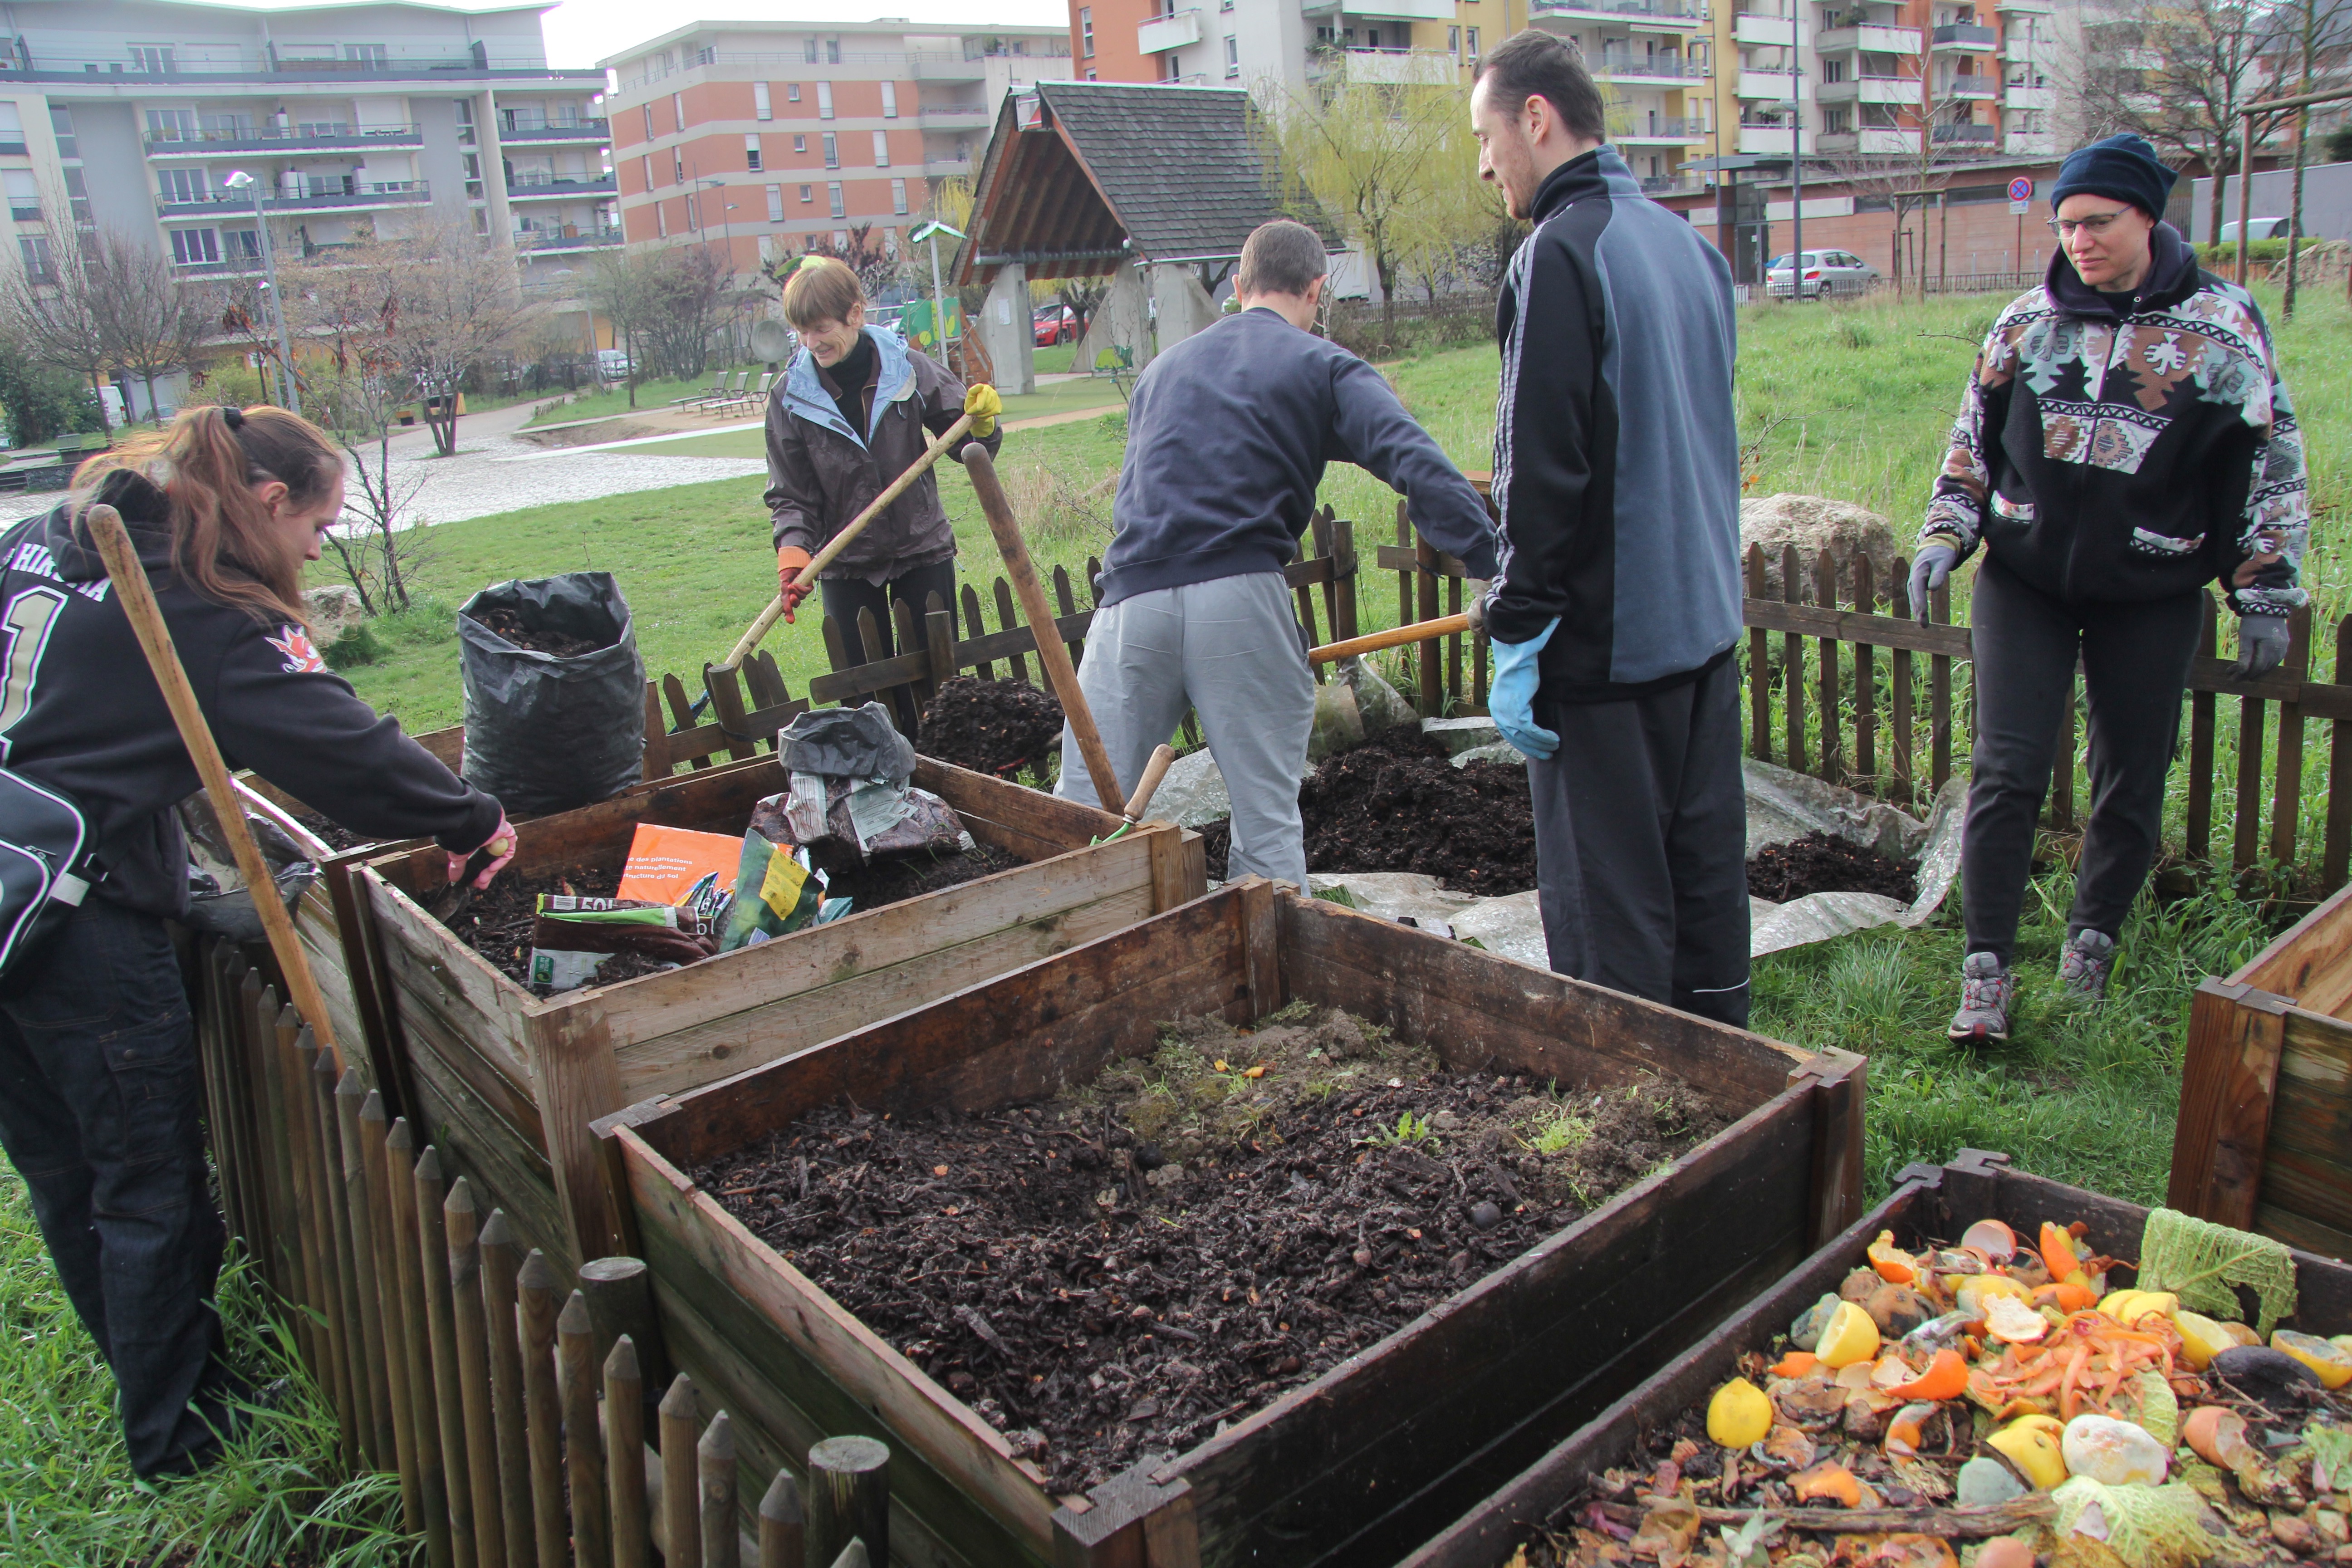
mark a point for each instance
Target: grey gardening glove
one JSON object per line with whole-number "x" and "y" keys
{"x": 1473, "y": 601}
{"x": 2261, "y": 645}
{"x": 1930, "y": 570}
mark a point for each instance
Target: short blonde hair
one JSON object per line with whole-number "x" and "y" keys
{"x": 821, "y": 289}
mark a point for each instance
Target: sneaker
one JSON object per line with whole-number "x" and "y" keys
{"x": 2083, "y": 967}
{"x": 1987, "y": 988}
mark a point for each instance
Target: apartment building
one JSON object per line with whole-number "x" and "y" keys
{"x": 758, "y": 137}
{"x": 134, "y": 115}
{"x": 1276, "y": 47}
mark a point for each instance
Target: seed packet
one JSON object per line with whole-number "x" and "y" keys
{"x": 778, "y": 889}
{"x": 570, "y": 938}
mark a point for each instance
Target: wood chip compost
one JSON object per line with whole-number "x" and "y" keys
{"x": 1120, "y": 1271}
{"x": 1000, "y": 727}
{"x": 1821, "y": 863}
{"x": 509, "y": 624}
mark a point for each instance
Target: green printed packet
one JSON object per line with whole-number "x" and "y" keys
{"x": 777, "y": 890}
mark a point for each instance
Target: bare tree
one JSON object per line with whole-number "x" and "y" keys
{"x": 862, "y": 253}
{"x": 2320, "y": 34}
{"x": 621, "y": 288}
{"x": 58, "y": 317}
{"x": 688, "y": 286}
{"x": 449, "y": 300}
{"x": 149, "y": 322}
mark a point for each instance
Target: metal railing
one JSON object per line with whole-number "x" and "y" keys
{"x": 317, "y": 195}
{"x": 526, "y": 129}
{"x": 546, "y": 239}
{"x": 1666, "y": 67}
{"x": 1966, "y": 134}
{"x": 1675, "y": 10}
{"x": 47, "y": 64}
{"x": 1963, "y": 32}
{"x": 914, "y": 59}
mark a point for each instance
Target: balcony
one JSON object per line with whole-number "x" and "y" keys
{"x": 1770, "y": 140}
{"x": 218, "y": 63}
{"x": 2030, "y": 144}
{"x": 544, "y": 240}
{"x": 1967, "y": 136}
{"x": 1870, "y": 141}
{"x": 1615, "y": 67}
{"x": 2020, "y": 97}
{"x": 1388, "y": 68}
{"x": 1402, "y": 10}
{"x": 1672, "y": 185}
{"x": 1168, "y": 32}
{"x": 1970, "y": 88}
{"x": 228, "y": 266}
{"x": 1755, "y": 27}
{"x": 1659, "y": 13}
{"x": 324, "y": 137}
{"x": 523, "y": 132}
{"x": 973, "y": 119}
{"x": 1870, "y": 38}
{"x": 1896, "y": 90}
{"x": 2018, "y": 49}
{"x": 1963, "y": 36}
{"x": 2026, "y": 7}
{"x": 1661, "y": 129}
{"x": 535, "y": 186}
{"x": 321, "y": 195}
{"x": 1767, "y": 86}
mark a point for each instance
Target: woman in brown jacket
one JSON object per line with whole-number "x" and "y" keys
{"x": 849, "y": 416}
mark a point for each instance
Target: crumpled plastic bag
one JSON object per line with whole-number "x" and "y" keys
{"x": 778, "y": 890}
{"x": 844, "y": 823}
{"x": 846, "y": 743}
{"x": 219, "y": 903}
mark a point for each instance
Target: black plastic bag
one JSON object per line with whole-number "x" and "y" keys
{"x": 544, "y": 732}
{"x": 219, "y": 902}
{"x": 846, "y": 743}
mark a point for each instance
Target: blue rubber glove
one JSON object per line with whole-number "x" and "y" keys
{"x": 1511, "y": 700}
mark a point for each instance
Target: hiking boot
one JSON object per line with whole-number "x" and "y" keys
{"x": 2088, "y": 958}
{"x": 1987, "y": 988}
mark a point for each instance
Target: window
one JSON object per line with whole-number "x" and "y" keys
{"x": 832, "y": 151}
{"x": 808, "y": 47}
{"x": 694, "y": 210}
{"x": 1836, "y": 122}
{"x": 152, "y": 57}
{"x": 1090, "y": 73}
{"x": 1453, "y": 40}
{"x": 759, "y": 106}
{"x": 840, "y": 237}
{"x": 751, "y": 151}
{"x": 1474, "y": 43}
{"x": 38, "y": 264}
{"x": 1233, "y": 56}
{"x": 1087, "y": 33}
{"x": 678, "y": 111}
{"x": 190, "y": 245}
{"x": 61, "y": 122}
{"x": 649, "y": 121}
{"x": 889, "y": 101}
{"x": 833, "y": 51}
{"x": 175, "y": 184}
{"x": 799, "y": 143}
{"x": 1832, "y": 69}
{"x": 791, "y": 92}
{"x": 649, "y": 171}
{"x": 661, "y": 221}
{"x": 832, "y": 193}
{"x": 808, "y": 192}
{"x": 898, "y": 198}
{"x": 24, "y": 195}
{"x": 241, "y": 244}
{"x": 775, "y": 203}
{"x": 12, "y": 129}
{"x": 77, "y": 197}
{"x": 825, "y": 100}
{"x": 368, "y": 56}
{"x": 676, "y": 169}
{"x": 881, "y": 150}
{"x": 171, "y": 125}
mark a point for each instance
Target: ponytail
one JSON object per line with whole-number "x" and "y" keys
{"x": 208, "y": 463}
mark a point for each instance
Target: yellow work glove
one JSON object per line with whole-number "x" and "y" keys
{"x": 981, "y": 402}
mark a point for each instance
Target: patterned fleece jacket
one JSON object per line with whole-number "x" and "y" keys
{"x": 2116, "y": 447}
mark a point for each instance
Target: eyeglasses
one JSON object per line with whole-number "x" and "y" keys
{"x": 2097, "y": 224}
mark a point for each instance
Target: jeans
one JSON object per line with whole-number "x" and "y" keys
{"x": 2135, "y": 668}
{"x": 100, "y": 1103}
{"x": 845, "y": 597}
{"x": 1642, "y": 845}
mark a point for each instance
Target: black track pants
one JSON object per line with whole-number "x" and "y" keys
{"x": 2135, "y": 668}
{"x": 845, "y": 597}
{"x": 1642, "y": 845}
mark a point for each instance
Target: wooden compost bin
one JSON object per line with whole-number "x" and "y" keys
{"x": 509, "y": 1081}
{"x": 2264, "y": 1138}
{"x": 1385, "y": 1448}
{"x": 1929, "y": 1203}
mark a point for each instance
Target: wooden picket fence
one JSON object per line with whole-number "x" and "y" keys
{"x": 515, "y": 1412}
{"x": 1843, "y": 684}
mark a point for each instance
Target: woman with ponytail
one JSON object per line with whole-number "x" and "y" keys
{"x": 98, "y": 1079}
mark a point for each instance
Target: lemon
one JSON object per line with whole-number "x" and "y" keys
{"x": 1848, "y": 1337}
{"x": 2031, "y": 1444}
{"x": 1738, "y": 1414}
{"x": 2331, "y": 1361}
{"x": 2201, "y": 1339}
{"x": 1976, "y": 1289}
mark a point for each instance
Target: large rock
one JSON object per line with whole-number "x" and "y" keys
{"x": 1814, "y": 524}
{"x": 333, "y": 611}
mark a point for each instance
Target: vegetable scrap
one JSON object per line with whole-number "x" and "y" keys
{"x": 2001, "y": 1403}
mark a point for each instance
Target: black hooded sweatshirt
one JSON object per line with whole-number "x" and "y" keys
{"x": 83, "y": 715}
{"x": 2131, "y": 447}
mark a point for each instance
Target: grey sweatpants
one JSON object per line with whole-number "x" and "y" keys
{"x": 1230, "y": 648}
{"x": 1642, "y": 845}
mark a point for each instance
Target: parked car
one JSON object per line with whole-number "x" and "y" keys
{"x": 613, "y": 364}
{"x": 1827, "y": 272}
{"x": 2256, "y": 228}
{"x": 1056, "y": 324}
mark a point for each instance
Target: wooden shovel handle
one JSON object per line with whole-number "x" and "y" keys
{"x": 1163, "y": 757}
{"x": 138, "y": 599}
{"x": 1395, "y": 636}
{"x": 840, "y": 541}
{"x": 1042, "y": 629}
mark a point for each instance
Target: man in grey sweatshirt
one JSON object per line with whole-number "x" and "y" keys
{"x": 1228, "y": 434}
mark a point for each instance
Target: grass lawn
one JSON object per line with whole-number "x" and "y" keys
{"x": 650, "y": 395}
{"x": 1062, "y": 398}
{"x": 1055, "y": 360}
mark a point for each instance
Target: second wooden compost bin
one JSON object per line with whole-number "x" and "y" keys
{"x": 1929, "y": 1204}
{"x": 1385, "y": 1448}
{"x": 508, "y": 1082}
{"x": 2264, "y": 1138}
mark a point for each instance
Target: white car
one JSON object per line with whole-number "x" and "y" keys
{"x": 1827, "y": 272}
{"x": 2256, "y": 228}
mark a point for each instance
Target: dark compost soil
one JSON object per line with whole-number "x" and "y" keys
{"x": 1117, "y": 1272}
{"x": 1818, "y": 863}
{"x": 538, "y": 639}
{"x": 999, "y": 727}
{"x": 1397, "y": 804}
{"x": 333, "y": 835}
{"x": 496, "y": 921}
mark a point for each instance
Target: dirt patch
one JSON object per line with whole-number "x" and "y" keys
{"x": 599, "y": 432}
{"x": 1818, "y": 863}
{"x": 510, "y": 625}
{"x": 496, "y": 922}
{"x": 1114, "y": 1273}
{"x": 1000, "y": 727}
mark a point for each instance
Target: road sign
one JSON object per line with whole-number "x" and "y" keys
{"x": 2020, "y": 208}
{"x": 2021, "y": 189}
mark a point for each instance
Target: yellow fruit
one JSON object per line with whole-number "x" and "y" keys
{"x": 2242, "y": 1333}
{"x": 2341, "y": 1341}
{"x": 2333, "y": 1364}
{"x": 2031, "y": 1443}
{"x": 2162, "y": 1303}
{"x": 1848, "y": 1337}
{"x": 2201, "y": 1339}
{"x": 1976, "y": 1289}
{"x": 2113, "y": 1304}
{"x": 1738, "y": 1414}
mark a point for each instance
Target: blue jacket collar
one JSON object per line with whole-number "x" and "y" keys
{"x": 1598, "y": 173}
{"x": 806, "y": 396}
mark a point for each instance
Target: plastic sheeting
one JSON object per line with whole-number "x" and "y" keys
{"x": 219, "y": 903}
{"x": 1782, "y": 805}
{"x": 544, "y": 732}
{"x": 846, "y": 743}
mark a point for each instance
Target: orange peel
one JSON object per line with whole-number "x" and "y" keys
{"x": 1947, "y": 1377}
{"x": 1830, "y": 1480}
{"x": 1893, "y": 1264}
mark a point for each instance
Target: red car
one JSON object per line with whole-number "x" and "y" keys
{"x": 1056, "y": 324}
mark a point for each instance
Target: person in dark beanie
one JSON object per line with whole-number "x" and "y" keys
{"x": 1617, "y": 613}
{"x": 2125, "y": 440}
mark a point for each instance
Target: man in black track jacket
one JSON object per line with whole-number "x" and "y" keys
{"x": 1617, "y": 608}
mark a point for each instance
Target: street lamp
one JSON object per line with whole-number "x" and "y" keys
{"x": 1796, "y": 193}
{"x": 238, "y": 180}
